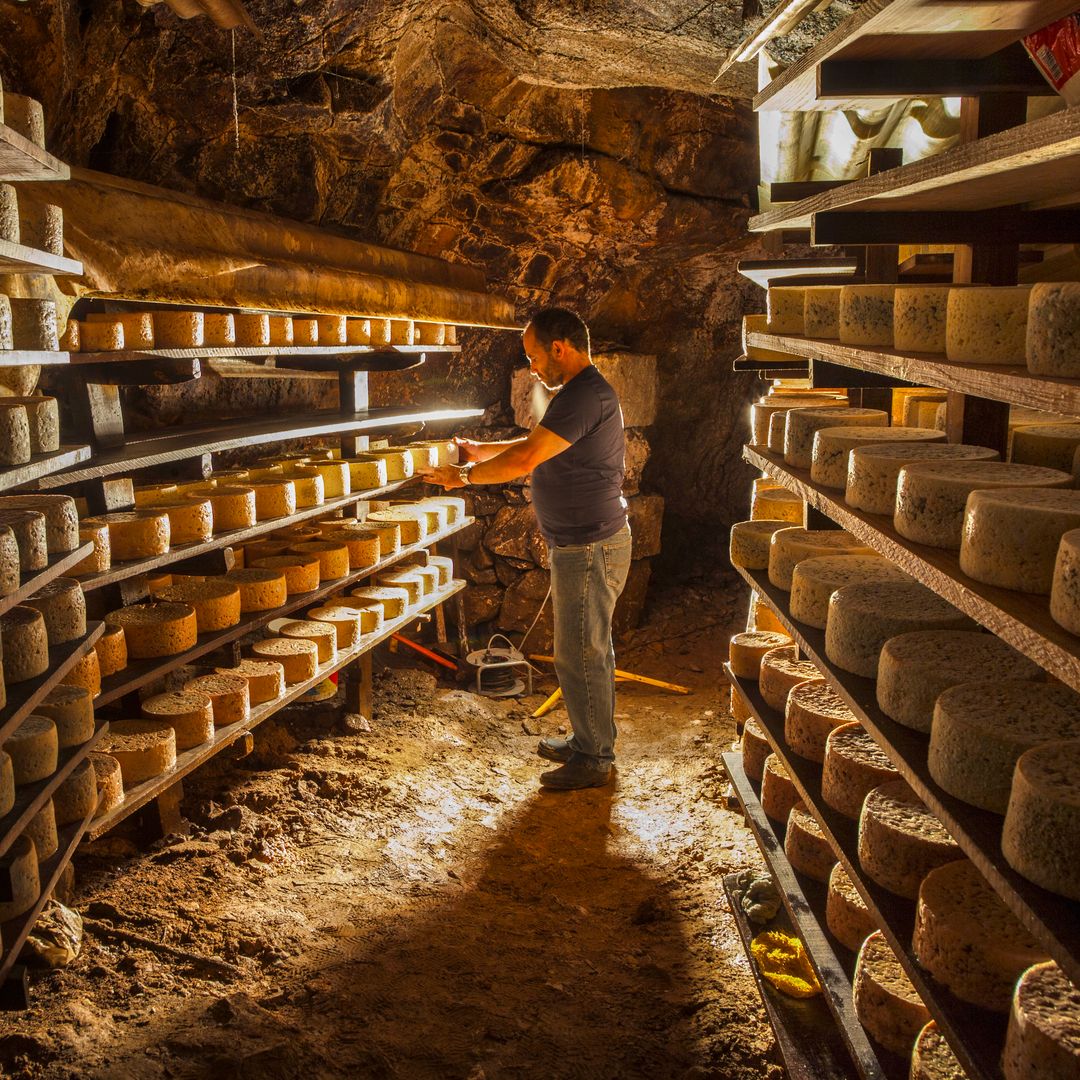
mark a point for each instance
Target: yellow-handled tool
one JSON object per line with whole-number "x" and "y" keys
{"x": 629, "y": 676}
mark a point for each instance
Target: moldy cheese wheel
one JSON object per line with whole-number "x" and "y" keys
{"x": 987, "y": 324}
{"x": 302, "y": 573}
{"x": 85, "y": 672}
{"x": 157, "y": 629}
{"x": 785, "y": 309}
{"x": 135, "y": 534}
{"x": 323, "y": 634}
{"x": 812, "y": 711}
{"x": 229, "y": 696}
{"x": 1052, "y": 337}
{"x": 25, "y": 643}
{"x": 755, "y": 750}
{"x": 832, "y": 448}
{"x": 71, "y": 708}
{"x": 781, "y": 670}
{"x": 144, "y": 749}
{"x": 265, "y": 679}
{"x": 746, "y": 650}
{"x": 20, "y": 866}
{"x": 803, "y": 424}
{"x": 60, "y": 514}
{"x": 31, "y": 535}
{"x": 33, "y": 748}
{"x": 814, "y": 581}
{"x": 778, "y": 792}
{"x": 188, "y": 712}
{"x": 886, "y": 1003}
{"x": 43, "y": 418}
{"x": 63, "y": 607}
{"x": 854, "y": 766}
{"x": 847, "y": 917}
{"x": 750, "y": 541}
{"x": 110, "y": 783}
{"x": 789, "y": 547}
{"x": 919, "y": 318}
{"x": 299, "y": 657}
{"x": 76, "y": 796}
{"x": 806, "y": 846}
{"x": 216, "y": 601}
{"x": 866, "y": 315}
{"x": 260, "y": 589}
{"x": 1043, "y": 1038}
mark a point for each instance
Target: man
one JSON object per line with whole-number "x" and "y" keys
{"x": 575, "y": 457}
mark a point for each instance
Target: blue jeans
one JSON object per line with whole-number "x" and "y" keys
{"x": 586, "y": 580}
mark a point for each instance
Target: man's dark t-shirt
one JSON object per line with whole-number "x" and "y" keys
{"x": 577, "y": 494}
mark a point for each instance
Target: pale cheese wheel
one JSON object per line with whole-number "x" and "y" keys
{"x": 100, "y": 559}
{"x": 430, "y": 333}
{"x": 308, "y": 485}
{"x": 745, "y": 651}
{"x": 33, "y": 748}
{"x": 444, "y": 565}
{"x": 31, "y": 535}
{"x": 806, "y": 846}
{"x": 25, "y": 116}
{"x": 778, "y": 792}
{"x": 336, "y": 478}
{"x": 323, "y": 634}
{"x": 1043, "y": 1037}
{"x": 10, "y": 572}
{"x": 423, "y": 456}
{"x": 886, "y": 1003}
{"x": 85, "y": 672}
{"x": 216, "y": 602}
{"x": 756, "y": 750}
{"x": 346, "y": 622}
{"x": 273, "y": 498}
{"x": 789, "y": 547}
{"x": 874, "y": 471}
{"x": 25, "y": 644}
{"x": 446, "y": 453}
{"x": 987, "y": 325}
{"x": 33, "y": 325}
{"x": 846, "y": 915}
{"x": 821, "y": 311}
{"x": 915, "y": 668}
{"x": 980, "y": 729}
{"x": 1051, "y": 445}
{"x": 14, "y": 434}
{"x": 394, "y": 602}
{"x": 110, "y": 782}
{"x": 380, "y": 331}
{"x": 144, "y": 748}
{"x": 389, "y": 533}
{"x": 920, "y": 410}
{"x": 19, "y": 866}
{"x": 1052, "y": 335}
{"x": 803, "y": 424}
{"x": 60, "y": 514}
{"x": 968, "y": 939}
{"x": 813, "y": 581}
{"x": 358, "y": 332}
{"x": 233, "y": 507}
{"x": 299, "y": 657}
{"x": 157, "y": 629}
{"x": 832, "y": 448}
{"x": 305, "y": 332}
{"x": 219, "y": 329}
{"x": 750, "y": 541}
{"x": 137, "y": 327}
{"x": 265, "y": 679}
{"x": 866, "y": 315}
{"x": 781, "y": 669}
{"x": 333, "y": 558}
{"x": 302, "y": 572}
{"x": 863, "y": 617}
{"x": 919, "y": 318}
{"x": 71, "y": 709}
{"x": 361, "y": 544}
{"x": 43, "y": 417}
{"x": 136, "y": 534}
{"x": 260, "y": 589}
{"x": 63, "y": 606}
{"x": 41, "y": 829}
{"x": 413, "y": 529}
{"x": 9, "y": 213}
{"x": 402, "y": 332}
{"x": 403, "y": 579}
{"x": 179, "y": 329}
{"x": 76, "y": 797}
{"x": 370, "y": 613}
{"x": 399, "y": 465}
{"x": 366, "y": 474}
{"x": 812, "y": 711}
{"x": 854, "y": 765}
{"x": 229, "y": 697}
{"x": 455, "y": 506}
{"x": 191, "y": 520}
{"x": 764, "y": 411}
{"x": 738, "y": 707}
{"x": 785, "y": 310}
{"x": 777, "y": 504}
{"x": 252, "y": 331}
{"x": 70, "y": 339}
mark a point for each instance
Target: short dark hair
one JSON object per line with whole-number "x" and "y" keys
{"x": 559, "y": 324}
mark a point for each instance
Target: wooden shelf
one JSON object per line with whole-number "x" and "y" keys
{"x": 1052, "y": 919}
{"x": 123, "y": 570}
{"x": 975, "y": 1035}
{"x": 1021, "y": 166}
{"x": 150, "y": 449}
{"x": 23, "y": 696}
{"x": 237, "y": 352}
{"x": 783, "y": 368}
{"x": 33, "y": 581}
{"x": 23, "y": 357}
{"x": 41, "y": 466}
{"x": 140, "y": 672}
{"x": 30, "y": 798}
{"x": 1021, "y": 619}
{"x": 20, "y": 159}
{"x": 17, "y": 259}
{"x": 766, "y": 272}
{"x": 1015, "y": 385}
{"x": 189, "y": 760}
{"x": 894, "y": 30}
{"x": 804, "y": 901}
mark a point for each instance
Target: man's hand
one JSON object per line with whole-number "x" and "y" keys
{"x": 445, "y": 476}
{"x": 468, "y": 450}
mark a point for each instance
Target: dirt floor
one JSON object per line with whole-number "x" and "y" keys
{"x": 402, "y": 901}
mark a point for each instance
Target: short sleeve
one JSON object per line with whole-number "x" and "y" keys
{"x": 574, "y": 412}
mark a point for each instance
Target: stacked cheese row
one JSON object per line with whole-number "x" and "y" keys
{"x": 29, "y": 423}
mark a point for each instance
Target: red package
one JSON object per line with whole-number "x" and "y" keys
{"x": 1056, "y": 52}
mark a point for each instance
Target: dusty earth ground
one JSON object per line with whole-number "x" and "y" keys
{"x": 403, "y": 902}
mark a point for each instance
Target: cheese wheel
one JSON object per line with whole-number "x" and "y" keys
{"x": 785, "y": 311}
{"x": 25, "y": 644}
{"x": 444, "y": 566}
{"x": 1043, "y": 1038}
{"x": 919, "y": 318}
{"x": 778, "y": 792}
{"x": 821, "y": 311}
{"x": 322, "y": 633}
{"x": 76, "y": 797}
{"x": 1052, "y": 334}
{"x": 358, "y": 332}
{"x": 273, "y": 498}
{"x": 7, "y": 339}
{"x": 933, "y": 1059}
{"x": 900, "y": 840}
{"x": 1051, "y": 445}
{"x": 413, "y": 529}
{"x": 812, "y": 711}
{"x": 63, "y": 607}
{"x": 980, "y": 729}
{"x": 777, "y": 504}
{"x": 188, "y": 712}
{"x": 863, "y": 617}
{"x": 137, "y": 327}
{"x": 789, "y": 547}
{"x": 756, "y": 750}
{"x": 110, "y": 782}
{"x": 750, "y": 541}
{"x": 366, "y": 474}
{"x": 393, "y": 602}
{"x": 252, "y": 331}
{"x": 14, "y": 434}
{"x": 60, "y": 514}
{"x": 144, "y": 748}
{"x": 399, "y": 465}
{"x": 921, "y": 410}
{"x": 780, "y": 671}
{"x": 336, "y": 477}
{"x": 43, "y": 418}
{"x": 404, "y": 579}
{"x": 362, "y": 546}
{"x": 302, "y": 572}
{"x": 229, "y": 697}
{"x": 85, "y": 672}
{"x": 265, "y": 679}
{"x": 10, "y": 573}
{"x": 31, "y": 535}
{"x": 402, "y": 332}
{"x": 33, "y": 748}
{"x": 854, "y": 766}
{"x": 70, "y": 339}
{"x": 446, "y": 453}
{"x": 281, "y": 330}
{"x": 832, "y": 448}
{"x": 430, "y": 333}
{"x": 19, "y": 866}
{"x": 914, "y": 669}
{"x": 423, "y": 456}
{"x": 308, "y": 485}
{"x": 216, "y": 602}
{"x": 813, "y": 581}
{"x": 803, "y": 424}
{"x": 866, "y": 315}
{"x": 332, "y": 329}
{"x": 874, "y": 471}
{"x": 299, "y": 657}
{"x": 100, "y": 559}
{"x": 219, "y": 330}
{"x": 71, "y": 709}
{"x": 191, "y": 520}
{"x": 847, "y": 917}
{"x": 25, "y": 116}
{"x": 264, "y": 549}
{"x": 987, "y": 324}
{"x": 305, "y": 332}
{"x": 33, "y": 326}
{"x": 157, "y": 629}
{"x": 333, "y": 558}
{"x": 737, "y": 706}
{"x": 380, "y": 331}
{"x": 806, "y": 847}
{"x": 968, "y": 939}
{"x": 179, "y": 329}
{"x": 765, "y": 410}
{"x": 1065, "y": 587}
{"x": 885, "y": 1000}
{"x": 389, "y": 533}
{"x": 346, "y": 622}
{"x": 746, "y": 650}
{"x": 147, "y": 495}
{"x": 136, "y": 534}
{"x": 260, "y": 589}
{"x": 233, "y": 507}
{"x": 9, "y": 214}
{"x": 370, "y": 614}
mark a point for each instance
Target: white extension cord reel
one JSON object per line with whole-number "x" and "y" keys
{"x": 498, "y": 669}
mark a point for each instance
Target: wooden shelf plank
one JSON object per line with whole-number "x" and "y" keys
{"x": 18, "y": 259}
{"x": 807, "y": 920}
{"x": 764, "y": 272}
{"x": 161, "y": 447}
{"x": 190, "y": 760}
{"x": 784, "y": 367}
{"x": 1015, "y": 385}
{"x": 1021, "y": 166}
{"x": 30, "y": 798}
{"x": 20, "y": 159}
{"x": 1021, "y": 619}
{"x": 1052, "y": 919}
{"x": 975, "y": 1035}
{"x": 41, "y": 466}
{"x": 33, "y": 581}
{"x": 237, "y": 352}
{"x": 23, "y": 696}
{"x": 913, "y": 29}
{"x": 22, "y": 357}
{"x": 140, "y": 672}
{"x": 122, "y": 570}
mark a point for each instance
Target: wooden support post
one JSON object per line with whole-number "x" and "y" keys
{"x": 97, "y": 414}
{"x": 352, "y": 390}
{"x": 881, "y": 261}
{"x": 977, "y": 422}
{"x": 109, "y": 495}
{"x": 197, "y": 467}
{"x": 162, "y": 816}
{"x": 15, "y": 990}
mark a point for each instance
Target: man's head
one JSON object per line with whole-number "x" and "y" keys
{"x": 556, "y": 344}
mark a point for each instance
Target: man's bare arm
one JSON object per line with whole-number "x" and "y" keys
{"x": 470, "y": 450}
{"x": 518, "y": 458}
